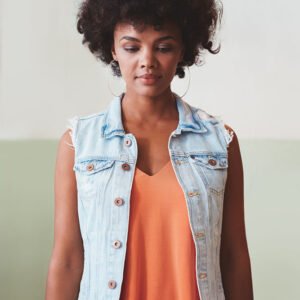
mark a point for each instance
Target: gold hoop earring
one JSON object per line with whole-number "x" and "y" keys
{"x": 119, "y": 81}
{"x": 189, "y": 81}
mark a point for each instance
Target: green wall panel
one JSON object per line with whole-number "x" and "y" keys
{"x": 272, "y": 206}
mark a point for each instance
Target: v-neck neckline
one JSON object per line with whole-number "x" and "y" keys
{"x": 157, "y": 173}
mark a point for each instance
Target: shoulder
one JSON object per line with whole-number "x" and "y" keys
{"x": 76, "y": 123}
{"x": 232, "y": 134}
{"x": 234, "y": 139}
{"x": 91, "y": 116}
{"x": 229, "y": 133}
{"x": 229, "y": 128}
{"x": 65, "y": 155}
{"x": 207, "y": 118}
{"x": 201, "y": 113}
{"x": 234, "y": 153}
{"x": 204, "y": 115}
{"x": 73, "y": 122}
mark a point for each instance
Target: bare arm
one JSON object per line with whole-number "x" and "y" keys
{"x": 66, "y": 264}
{"x": 234, "y": 256}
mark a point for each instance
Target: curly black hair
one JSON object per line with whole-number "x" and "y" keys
{"x": 197, "y": 19}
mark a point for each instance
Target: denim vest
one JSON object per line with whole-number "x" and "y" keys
{"x": 105, "y": 160}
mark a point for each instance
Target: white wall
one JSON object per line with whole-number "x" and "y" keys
{"x": 47, "y": 76}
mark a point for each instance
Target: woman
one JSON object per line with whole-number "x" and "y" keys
{"x": 154, "y": 208}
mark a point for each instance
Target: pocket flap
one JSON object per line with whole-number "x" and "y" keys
{"x": 92, "y": 166}
{"x": 210, "y": 161}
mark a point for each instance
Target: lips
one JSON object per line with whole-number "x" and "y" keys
{"x": 149, "y": 76}
{"x": 149, "y": 79}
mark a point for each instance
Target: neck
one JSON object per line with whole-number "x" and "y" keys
{"x": 141, "y": 108}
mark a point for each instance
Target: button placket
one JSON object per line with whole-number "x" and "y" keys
{"x": 118, "y": 202}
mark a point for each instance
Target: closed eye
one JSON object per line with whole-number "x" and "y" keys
{"x": 165, "y": 49}
{"x": 161, "y": 49}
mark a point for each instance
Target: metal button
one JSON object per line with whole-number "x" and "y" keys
{"x": 112, "y": 284}
{"x": 127, "y": 142}
{"x": 117, "y": 244}
{"x": 90, "y": 167}
{"x": 191, "y": 194}
{"x": 125, "y": 166}
{"x": 202, "y": 275}
{"x": 119, "y": 201}
{"x": 199, "y": 234}
{"x": 212, "y": 162}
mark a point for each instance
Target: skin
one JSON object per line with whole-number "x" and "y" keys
{"x": 234, "y": 256}
{"x": 154, "y": 103}
{"x": 149, "y": 112}
{"x": 66, "y": 264}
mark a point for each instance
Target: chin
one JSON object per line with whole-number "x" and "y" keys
{"x": 149, "y": 92}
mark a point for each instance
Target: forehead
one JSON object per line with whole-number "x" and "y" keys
{"x": 146, "y": 31}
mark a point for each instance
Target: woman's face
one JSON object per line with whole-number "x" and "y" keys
{"x": 147, "y": 52}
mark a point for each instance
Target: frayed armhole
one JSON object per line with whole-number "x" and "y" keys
{"x": 72, "y": 125}
{"x": 227, "y": 134}
{"x": 218, "y": 121}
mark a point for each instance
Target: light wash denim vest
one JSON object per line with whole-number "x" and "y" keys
{"x": 105, "y": 161}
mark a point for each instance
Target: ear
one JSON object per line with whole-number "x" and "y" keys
{"x": 113, "y": 52}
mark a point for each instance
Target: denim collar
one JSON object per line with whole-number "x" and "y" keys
{"x": 189, "y": 120}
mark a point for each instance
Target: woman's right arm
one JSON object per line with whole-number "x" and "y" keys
{"x": 66, "y": 264}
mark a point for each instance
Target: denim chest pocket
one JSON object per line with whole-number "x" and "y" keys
{"x": 213, "y": 169}
{"x": 92, "y": 177}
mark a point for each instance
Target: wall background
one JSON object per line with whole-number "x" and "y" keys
{"x": 47, "y": 76}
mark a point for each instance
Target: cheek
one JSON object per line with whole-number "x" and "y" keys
{"x": 127, "y": 68}
{"x": 170, "y": 63}
{"x": 127, "y": 65}
{"x": 170, "y": 68}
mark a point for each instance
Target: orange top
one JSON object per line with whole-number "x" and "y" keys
{"x": 160, "y": 256}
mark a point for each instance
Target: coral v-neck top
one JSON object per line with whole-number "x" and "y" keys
{"x": 160, "y": 256}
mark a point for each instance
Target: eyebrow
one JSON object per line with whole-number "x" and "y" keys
{"x": 130, "y": 38}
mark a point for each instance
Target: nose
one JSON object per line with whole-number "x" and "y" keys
{"x": 148, "y": 59}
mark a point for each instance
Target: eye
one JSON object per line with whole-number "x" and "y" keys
{"x": 131, "y": 49}
{"x": 161, "y": 49}
{"x": 165, "y": 49}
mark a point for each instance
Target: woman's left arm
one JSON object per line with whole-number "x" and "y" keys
{"x": 234, "y": 256}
